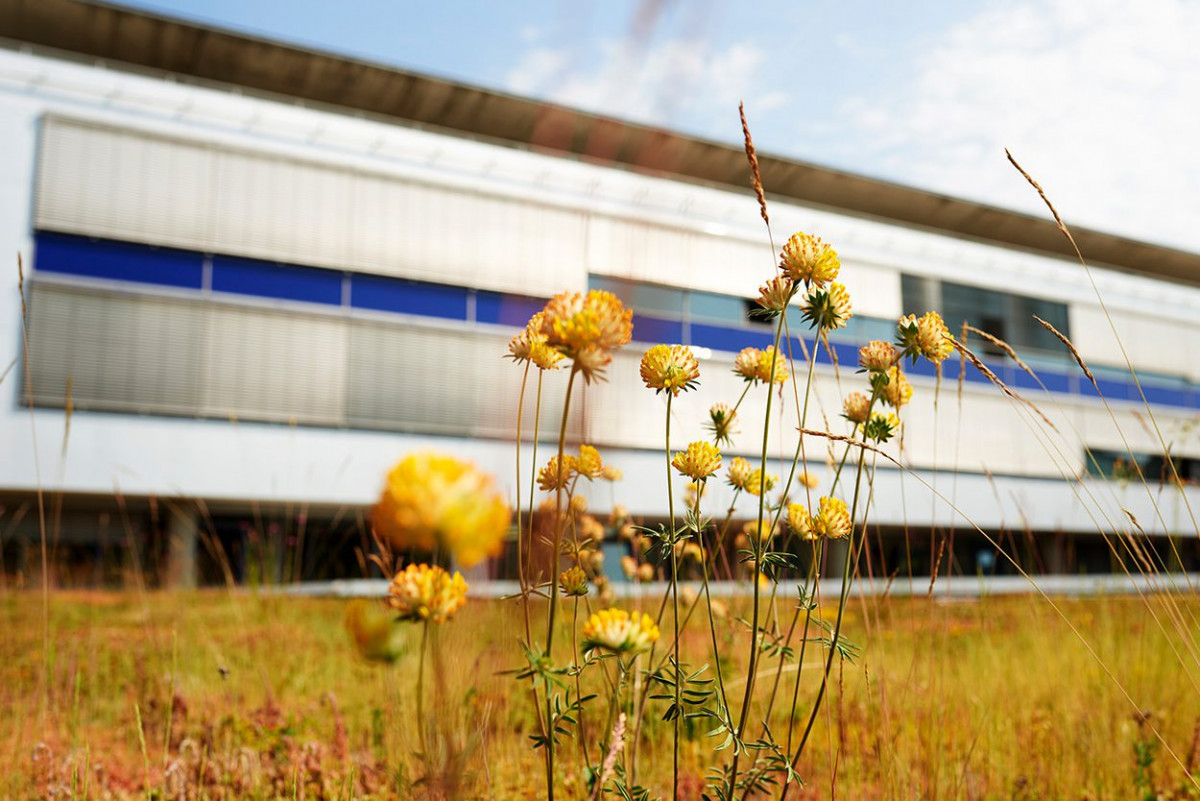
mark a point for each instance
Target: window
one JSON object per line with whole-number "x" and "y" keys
{"x": 1003, "y": 315}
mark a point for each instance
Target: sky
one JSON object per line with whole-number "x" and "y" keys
{"x": 1099, "y": 99}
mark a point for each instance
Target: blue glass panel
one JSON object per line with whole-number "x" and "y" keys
{"x": 409, "y": 297}
{"x": 657, "y": 331}
{"x": 120, "y": 261}
{"x": 1166, "y": 396}
{"x": 270, "y": 280}
{"x": 501, "y": 309}
{"x": 1116, "y": 390}
{"x": 719, "y": 337}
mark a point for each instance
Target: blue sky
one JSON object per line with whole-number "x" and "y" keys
{"x": 1100, "y": 99}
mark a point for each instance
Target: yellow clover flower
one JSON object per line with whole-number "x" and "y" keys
{"x": 758, "y": 482}
{"x": 670, "y": 368}
{"x": 745, "y": 363}
{"x": 763, "y": 369}
{"x": 574, "y": 582}
{"x": 421, "y": 592}
{"x": 833, "y": 520}
{"x": 856, "y": 407}
{"x": 436, "y": 502}
{"x": 881, "y": 427}
{"x": 618, "y": 632}
{"x": 589, "y": 463}
{"x": 827, "y": 308}
{"x": 699, "y": 461}
{"x": 806, "y": 258}
{"x": 587, "y": 328}
{"x": 775, "y": 295}
{"x": 926, "y": 337}
{"x": 739, "y": 473}
{"x": 800, "y": 522}
{"x": 722, "y": 423}
{"x": 898, "y": 391}
{"x": 877, "y": 356}
{"x": 530, "y": 345}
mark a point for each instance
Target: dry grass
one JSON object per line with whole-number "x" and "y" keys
{"x": 264, "y": 697}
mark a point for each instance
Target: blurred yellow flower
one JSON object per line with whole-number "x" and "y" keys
{"x": 739, "y": 473}
{"x": 757, "y": 483}
{"x": 374, "y": 631}
{"x": 611, "y": 473}
{"x": 618, "y": 632}
{"x": 670, "y": 368}
{"x": 421, "y": 592}
{"x": 855, "y": 407}
{"x": 722, "y": 422}
{"x": 589, "y": 463}
{"x": 758, "y": 529}
{"x": 433, "y": 501}
{"x": 807, "y": 259}
{"x": 809, "y": 480}
{"x": 551, "y": 477}
{"x": 699, "y": 461}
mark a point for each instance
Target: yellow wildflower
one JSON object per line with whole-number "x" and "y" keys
{"x": 530, "y": 345}
{"x": 827, "y": 308}
{"x": 670, "y": 368}
{"x": 877, "y": 356}
{"x": 758, "y": 482}
{"x": 881, "y": 427}
{"x": 699, "y": 461}
{"x": 807, "y": 259}
{"x": 574, "y": 582}
{"x": 926, "y": 337}
{"x": 809, "y": 480}
{"x": 799, "y": 521}
{"x": 774, "y": 295}
{"x": 721, "y": 422}
{"x": 579, "y": 504}
{"x": 897, "y": 391}
{"x": 551, "y": 477}
{"x": 645, "y": 572}
{"x": 833, "y": 520}
{"x": 587, "y": 328}
{"x": 618, "y": 632}
{"x": 432, "y": 501}
{"x": 588, "y": 464}
{"x": 629, "y": 567}
{"x": 763, "y": 370}
{"x": 421, "y": 592}
{"x": 745, "y": 363}
{"x": 856, "y": 407}
{"x": 611, "y": 473}
{"x": 739, "y": 473}
{"x": 758, "y": 529}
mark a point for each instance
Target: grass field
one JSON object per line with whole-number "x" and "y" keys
{"x": 236, "y": 695}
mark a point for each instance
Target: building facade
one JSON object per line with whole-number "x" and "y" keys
{"x": 245, "y": 301}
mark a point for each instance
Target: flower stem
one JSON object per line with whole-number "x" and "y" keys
{"x": 675, "y": 603}
{"x": 557, "y": 546}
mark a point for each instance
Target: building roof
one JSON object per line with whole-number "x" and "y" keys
{"x": 158, "y": 45}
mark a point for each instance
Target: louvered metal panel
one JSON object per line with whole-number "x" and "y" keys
{"x": 275, "y": 365}
{"x": 120, "y": 352}
{"x": 106, "y": 183}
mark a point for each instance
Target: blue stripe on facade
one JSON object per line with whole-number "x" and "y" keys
{"x": 283, "y": 281}
{"x": 119, "y": 261}
{"x": 719, "y": 337}
{"x": 381, "y": 293}
{"x": 654, "y": 330}
{"x": 501, "y": 309}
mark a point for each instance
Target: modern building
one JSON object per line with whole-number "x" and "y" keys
{"x": 256, "y": 275}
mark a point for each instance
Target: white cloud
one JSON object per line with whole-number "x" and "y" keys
{"x": 676, "y": 82}
{"x": 1099, "y": 100}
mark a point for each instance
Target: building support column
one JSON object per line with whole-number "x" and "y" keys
{"x": 836, "y": 552}
{"x": 183, "y": 536}
{"x": 1054, "y": 553}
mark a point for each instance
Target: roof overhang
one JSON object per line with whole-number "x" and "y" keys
{"x": 161, "y": 45}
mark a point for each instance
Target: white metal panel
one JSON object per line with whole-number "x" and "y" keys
{"x": 119, "y": 185}
{"x": 275, "y": 366}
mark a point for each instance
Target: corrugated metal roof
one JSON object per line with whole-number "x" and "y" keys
{"x": 159, "y": 44}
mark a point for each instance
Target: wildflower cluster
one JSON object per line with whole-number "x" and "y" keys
{"x": 618, "y": 632}
{"x": 755, "y": 365}
{"x": 832, "y": 520}
{"x": 587, "y": 329}
{"x": 421, "y": 592}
